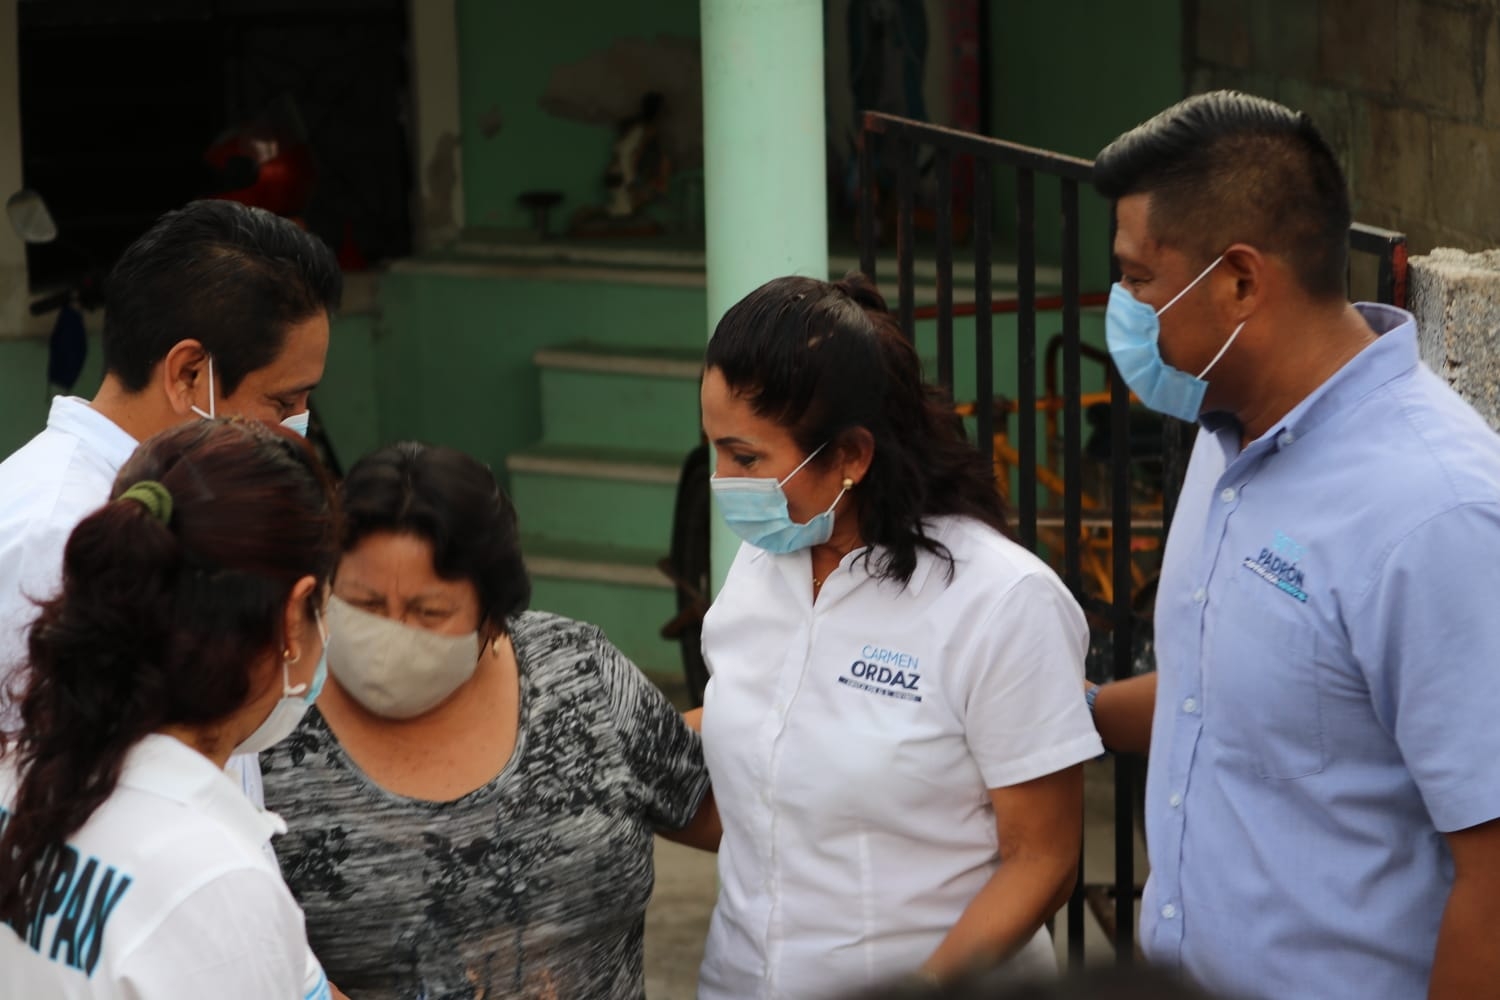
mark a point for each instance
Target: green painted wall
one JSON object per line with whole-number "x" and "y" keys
{"x": 453, "y": 362}
{"x": 1070, "y": 77}
{"x": 507, "y": 52}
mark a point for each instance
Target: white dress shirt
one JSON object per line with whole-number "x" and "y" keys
{"x": 47, "y": 486}
{"x": 165, "y": 892}
{"x": 852, "y": 743}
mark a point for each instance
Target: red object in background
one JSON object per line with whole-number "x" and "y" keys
{"x": 265, "y": 167}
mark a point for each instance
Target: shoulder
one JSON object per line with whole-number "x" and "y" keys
{"x": 985, "y": 559}
{"x": 1453, "y": 454}
{"x": 544, "y": 636}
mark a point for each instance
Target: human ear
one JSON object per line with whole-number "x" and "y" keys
{"x": 183, "y": 370}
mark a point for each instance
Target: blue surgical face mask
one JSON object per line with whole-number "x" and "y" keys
{"x": 297, "y": 422}
{"x": 294, "y": 702}
{"x": 756, "y": 510}
{"x": 1132, "y": 329}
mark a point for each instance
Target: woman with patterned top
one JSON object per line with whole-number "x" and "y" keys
{"x": 472, "y": 801}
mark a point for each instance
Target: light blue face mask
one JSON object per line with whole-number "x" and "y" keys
{"x": 1132, "y": 329}
{"x": 756, "y": 510}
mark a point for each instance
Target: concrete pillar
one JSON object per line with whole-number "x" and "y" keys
{"x": 1456, "y": 298}
{"x": 764, "y": 141}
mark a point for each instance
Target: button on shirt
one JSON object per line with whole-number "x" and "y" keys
{"x": 47, "y": 486}
{"x": 851, "y": 743}
{"x": 1326, "y": 639}
{"x": 165, "y": 892}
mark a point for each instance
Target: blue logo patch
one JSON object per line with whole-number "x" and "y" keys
{"x": 1279, "y": 566}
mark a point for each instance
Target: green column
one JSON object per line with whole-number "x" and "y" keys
{"x": 764, "y": 142}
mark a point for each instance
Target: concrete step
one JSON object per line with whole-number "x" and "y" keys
{"x": 597, "y": 496}
{"x": 617, "y": 588}
{"x": 614, "y": 396}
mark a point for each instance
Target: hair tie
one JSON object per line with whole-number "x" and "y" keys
{"x": 155, "y": 497}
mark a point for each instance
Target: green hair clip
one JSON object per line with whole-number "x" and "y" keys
{"x": 155, "y": 497}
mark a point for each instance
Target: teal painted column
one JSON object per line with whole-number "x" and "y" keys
{"x": 764, "y": 174}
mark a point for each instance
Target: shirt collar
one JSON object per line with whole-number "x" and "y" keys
{"x": 164, "y": 766}
{"x": 75, "y": 416}
{"x": 1393, "y": 354}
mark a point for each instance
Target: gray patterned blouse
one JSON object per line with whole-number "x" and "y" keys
{"x": 534, "y": 885}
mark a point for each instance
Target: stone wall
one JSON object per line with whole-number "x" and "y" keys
{"x": 1407, "y": 91}
{"x": 1456, "y": 299}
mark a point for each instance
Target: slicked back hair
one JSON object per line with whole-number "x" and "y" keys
{"x": 1226, "y": 167}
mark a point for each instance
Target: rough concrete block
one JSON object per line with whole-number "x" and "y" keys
{"x": 1440, "y": 56}
{"x": 1285, "y": 37}
{"x": 1391, "y": 160}
{"x": 1357, "y": 44}
{"x": 1456, "y": 299}
{"x": 1466, "y": 171}
{"x": 1224, "y": 36}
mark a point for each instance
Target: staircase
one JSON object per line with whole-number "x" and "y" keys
{"x": 595, "y": 494}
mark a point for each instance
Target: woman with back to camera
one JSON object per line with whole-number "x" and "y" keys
{"x": 474, "y": 799}
{"x": 893, "y": 725}
{"x": 188, "y": 628}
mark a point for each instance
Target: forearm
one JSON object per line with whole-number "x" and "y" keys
{"x": 1467, "y": 963}
{"x": 704, "y": 830}
{"x": 1022, "y": 894}
{"x": 1122, "y": 713}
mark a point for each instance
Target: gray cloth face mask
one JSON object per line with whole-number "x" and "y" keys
{"x": 396, "y": 671}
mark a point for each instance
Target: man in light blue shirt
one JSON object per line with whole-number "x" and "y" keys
{"x": 1322, "y": 792}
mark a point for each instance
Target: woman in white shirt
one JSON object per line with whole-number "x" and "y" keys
{"x": 893, "y": 726}
{"x": 188, "y": 628}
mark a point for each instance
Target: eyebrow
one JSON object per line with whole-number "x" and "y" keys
{"x": 733, "y": 441}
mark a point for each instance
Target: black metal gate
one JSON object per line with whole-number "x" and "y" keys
{"x": 1108, "y": 534}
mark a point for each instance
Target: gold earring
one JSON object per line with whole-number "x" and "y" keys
{"x": 848, "y": 483}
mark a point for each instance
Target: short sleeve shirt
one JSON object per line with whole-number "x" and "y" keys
{"x": 1327, "y": 697}
{"x": 165, "y": 893}
{"x": 535, "y": 884}
{"x": 852, "y": 743}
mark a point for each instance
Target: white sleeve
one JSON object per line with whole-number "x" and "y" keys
{"x": 1023, "y": 706}
{"x": 239, "y": 937}
{"x": 30, "y": 567}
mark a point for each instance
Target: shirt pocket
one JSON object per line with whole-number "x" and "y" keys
{"x": 1265, "y": 698}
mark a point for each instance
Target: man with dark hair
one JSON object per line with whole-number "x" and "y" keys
{"x": 1322, "y": 806}
{"x": 218, "y": 309}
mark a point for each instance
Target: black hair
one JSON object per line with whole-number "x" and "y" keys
{"x": 157, "y": 623}
{"x": 1224, "y": 167}
{"x": 822, "y": 359}
{"x": 231, "y": 277}
{"x": 453, "y": 502}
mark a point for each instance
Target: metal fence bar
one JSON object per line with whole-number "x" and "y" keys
{"x": 1026, "y": 351}
{"x": 906, "y": 184}
{"x": 1072, "y": 465}
{"x": 943, "y": 165}
{"x": 984, "y": 319}
{"x": 867, "y": 234}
